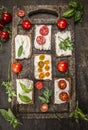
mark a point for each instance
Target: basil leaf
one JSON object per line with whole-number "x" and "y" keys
{"x": 24, "y": 98}
{"x": 73, "y": 4}
{"x": 11, "y": 114}
{"x": 69, "y": 13}
{"x": 5, "y": 114}
{"x": 25, "y": 88}
{"x": 20, "y": 50}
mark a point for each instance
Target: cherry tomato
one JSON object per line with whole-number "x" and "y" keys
{"x": 20, "y": 13}
{"x": 62, "y": 23}
{"x": 26, "y": 24}
{"x": 44, "y": 107}
{"x": 1, "y": 24}
{"x": 62, "y": 66}
{"x": 64, "y": 96}
{"x": 4, "y": 35}
{"x": 44, "y": 30}
{"x": 62, "y": 84}
{"x": 39, "y": 85}
{"x": 16, "y": 67}
{"x": 6, "y": 17}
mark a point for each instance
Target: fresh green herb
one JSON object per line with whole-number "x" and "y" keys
{"x": 78, "y": 114}
{"x": 27, "y": 90}
{"x": 24, "y": 98}
{"x": 66, "y": 44}
{"x": 75, "y": 10}
{"x": 9, "y": 90}
{"x": 20, "y": 50}
{"x": 10, "y": 117}
{"x": 46, "y": 94}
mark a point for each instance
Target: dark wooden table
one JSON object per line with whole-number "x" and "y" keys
{"x": 81, "y": 41}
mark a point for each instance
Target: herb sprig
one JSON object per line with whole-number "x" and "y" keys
{"x": 65, "y": 44}
{"x": 10, "y": 117}
{"x": 78, "y": 114}
{"x": 46, "y": 94}
{"x": 75, "y": 10}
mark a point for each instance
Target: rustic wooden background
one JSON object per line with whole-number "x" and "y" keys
{"x": 81, "y": 40}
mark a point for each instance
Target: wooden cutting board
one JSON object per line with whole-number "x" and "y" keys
{"x": 43, "y": 14}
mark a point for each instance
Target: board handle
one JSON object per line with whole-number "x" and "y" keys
{"x": 45, "y": 11}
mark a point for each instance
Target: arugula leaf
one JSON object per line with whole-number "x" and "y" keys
{"x": 24, "y": 98}
{"x": 66, "y": 44}
{"x": 23, "y": 86}
{"x": 10, "y": 117}
{"x": 46, "y": 94}
{"x": 78, "y": 114}
{"x": 20, "y": 50}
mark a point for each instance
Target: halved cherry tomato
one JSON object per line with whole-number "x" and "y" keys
{"x": 44, "y": 107}
{"x": 44, "y": 30}
{"x": 62, "y": 66}
{"x": 26, "y": 24}
{"x": 6, "y": 17}
{"x": 20, "y": 13}
{"x": 16, "y": 67}
{"x": 4, "y": 35}
{"x": 62, "y": 23}
{"x": 62, "y": 84}
{"x": 39, "y": 84}
{"x": 64, "y": 96}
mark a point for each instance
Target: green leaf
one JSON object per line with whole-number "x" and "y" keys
{"x": 24, "y": 98}
{"x": 78, "y": 16}
{"x": 66, "y": 44}
{"x": 23, "y": 86}
{"x": 73, "y": 4}
{"x": 69, "y": 13}
{"x": 20, "y": 50}
{"x": 5, "y": 114}
{"x": 9, "y": 116}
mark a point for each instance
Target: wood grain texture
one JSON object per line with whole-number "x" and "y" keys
{"x": 33, "y": 111}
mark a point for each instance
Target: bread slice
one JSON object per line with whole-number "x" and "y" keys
{"x": 57, "y": 90}
{"x": 20, "y": 90}
{"x": 59, "y": 36}
{"x": 43, "y": 70}
{"x": 47, "y": 44}
{"x": 23, "y": 48}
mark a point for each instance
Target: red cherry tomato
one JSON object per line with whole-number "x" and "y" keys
{"x": 62, "y": 84}
{"x": 16, "y": 67}
{"x": 44, "y": 30}
{"x": 20, "y": 13}
{"x": 39, "y": 85}
{"x": 6, "y": 17}
{"x": 41, "y": 40}
{"x": 44, "y": 107}
{"x": 64, "y": 96}
{"x": 62, "y": 23}
{"x": 4, "y": 35}
{"x": 62, "y": 66}
{"x": 1, "y": 24}
{"x": 26, "y": 24}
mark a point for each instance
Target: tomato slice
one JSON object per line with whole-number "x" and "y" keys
{"x": 62, "y": 84}
{"x": 64, "y": 96}
{"x": 40, "y": 40}
{"x": 20, "y": 13}
{"x": 44, "y": 107}
{"x": 39, "y": 85}
{"x": 44, "y": 30}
